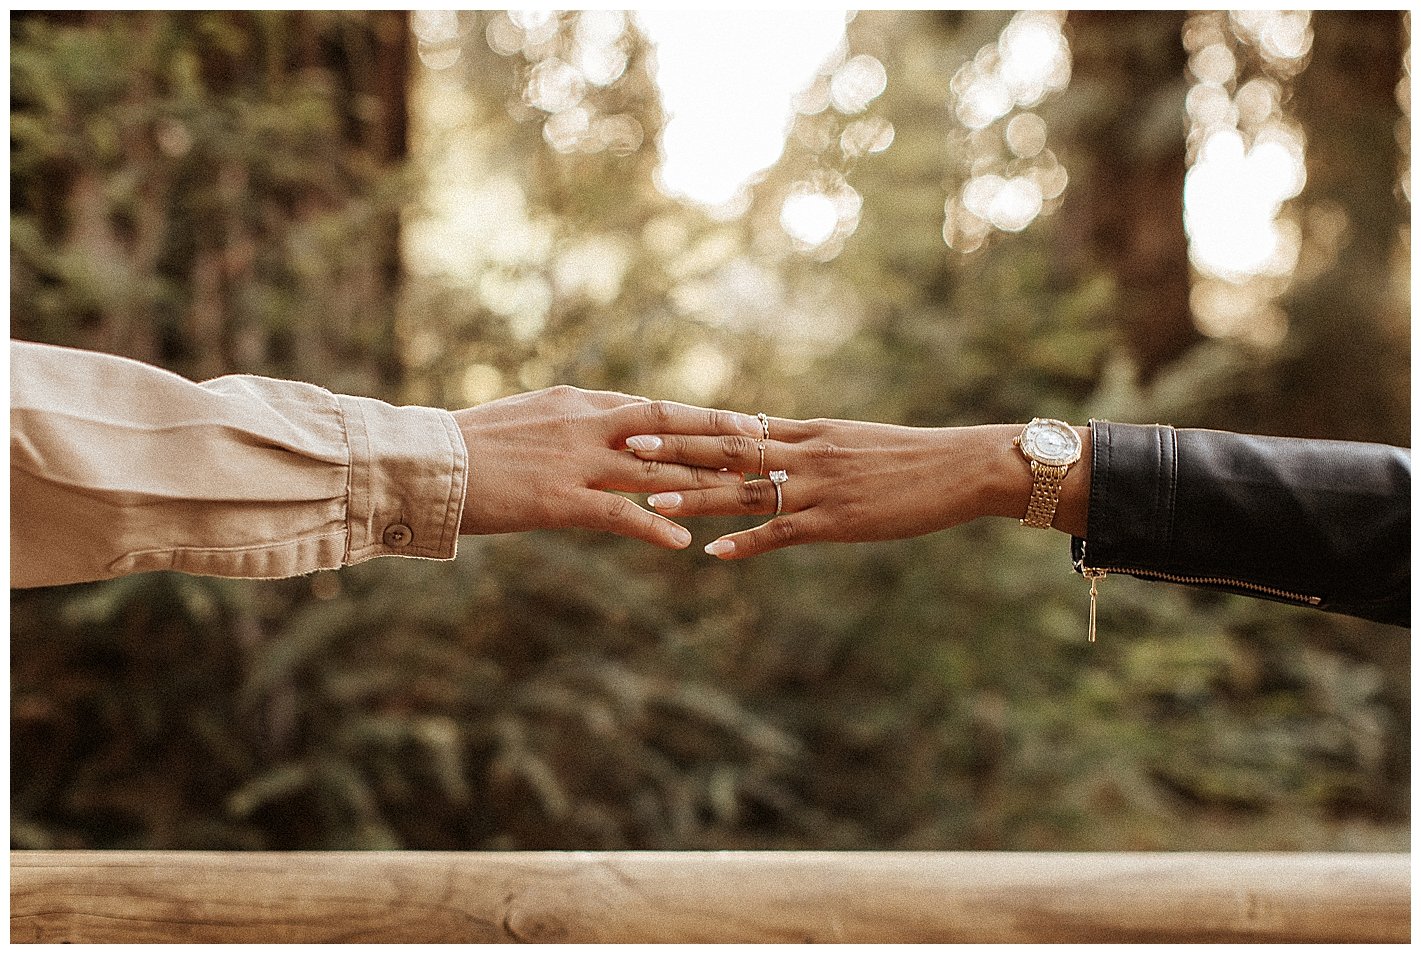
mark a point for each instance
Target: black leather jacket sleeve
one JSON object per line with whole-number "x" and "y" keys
{"x": 1319, "y": 523}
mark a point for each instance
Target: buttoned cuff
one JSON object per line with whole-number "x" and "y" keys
{"x": 408, "y": 475}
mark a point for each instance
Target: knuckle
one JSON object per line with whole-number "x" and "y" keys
{"x": 852, "y": 512}
{"x": 705, "y": 477}
{"x": 737, "y": 447}
{"x": 753, "y": 493}
{"x": 652, "y": 468}
{"x": 824, "y": 451}
{"x": 617, "y": 509}
{"x": 658, "y": 414}
{"x": 783, "y": 530}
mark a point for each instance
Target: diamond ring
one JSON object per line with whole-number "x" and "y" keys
{"x": 778, "y": 478}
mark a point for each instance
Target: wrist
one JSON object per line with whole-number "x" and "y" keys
{"x": 1006, "y": 487}
{"x": 1074, "y": 506}
{"x": 1005, "y": 476}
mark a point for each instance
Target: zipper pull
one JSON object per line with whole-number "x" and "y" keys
{"x": 1095, "y": 576}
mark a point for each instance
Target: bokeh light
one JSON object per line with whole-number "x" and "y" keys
{"x": 437, "y": 36}
{"x": 1247, "y": 160}
{"x": 820, "y": 211}
{"x": 1013, "y": 178}
{"x": 598, "y": 53}
{"x": 554, "y": 86}
{"x": 1026, "y": 135}
{"x": 1232, "y": 199}
{"x": 1403, "y": 125}
{"x": 702, "y": 371}
{"x": 809, "y": 217}
{"x": 1033, "y": 57}
{"x": 866, "y": 136}
{"x": 571, "y": 57}
{"x": 857, "y": 83}
{"x": 728, "y": 82}
{"x": 1030, "y": 60}
{"x": 1282, "y": 37}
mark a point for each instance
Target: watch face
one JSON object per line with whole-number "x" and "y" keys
{"x": 1051, "y": 442}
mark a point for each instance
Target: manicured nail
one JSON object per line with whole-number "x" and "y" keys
{"x": 664, "y": 501}
{"x": 682, "y": 536}
{"x": 644, "y": 442}
{"x": 720, "y": 547}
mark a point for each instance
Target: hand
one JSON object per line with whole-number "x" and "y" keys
{"x": 851, "y": 481}
{"x": 542, "y": 460}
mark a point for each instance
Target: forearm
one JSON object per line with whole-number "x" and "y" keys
{"x": 1322, "y": 523}
{"x": 118, "y": 467}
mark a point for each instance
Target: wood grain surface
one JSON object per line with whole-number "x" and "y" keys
{"x": 88, "y": 896}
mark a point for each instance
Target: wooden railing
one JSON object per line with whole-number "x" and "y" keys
{"x": 87, "y": 896}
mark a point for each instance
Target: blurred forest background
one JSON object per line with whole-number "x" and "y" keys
{"x": 1198, "y": 218}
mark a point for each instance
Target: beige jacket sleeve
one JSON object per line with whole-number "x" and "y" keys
{"x": 118, "y": 467}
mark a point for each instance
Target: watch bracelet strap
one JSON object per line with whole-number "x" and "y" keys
{"x": 1045, "y": 494}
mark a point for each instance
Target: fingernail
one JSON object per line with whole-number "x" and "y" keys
{"x": 682, "y": 536}
{"x": 644, "y": 442}
{"x": 668, "y": 501}
{"x": 720, "y": 547}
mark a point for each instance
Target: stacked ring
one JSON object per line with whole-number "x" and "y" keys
{"x": 777, "y": 477}
{"x": 764, "y": 436}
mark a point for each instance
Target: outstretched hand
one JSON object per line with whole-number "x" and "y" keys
{"x": 544, "y": 460}
{"x": 851, "y": 481}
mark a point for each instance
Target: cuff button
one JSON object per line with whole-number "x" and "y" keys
{"x": 398, "y": 535}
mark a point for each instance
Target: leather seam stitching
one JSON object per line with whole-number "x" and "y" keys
{"x": 1172, "y": 490}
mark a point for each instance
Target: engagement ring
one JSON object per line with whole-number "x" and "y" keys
{"x": 779, "y": 477}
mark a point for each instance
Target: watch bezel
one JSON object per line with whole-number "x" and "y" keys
{"x": 1029, "y": 433}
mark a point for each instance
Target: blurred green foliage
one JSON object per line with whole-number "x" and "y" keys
{"x": 223, "y": 192}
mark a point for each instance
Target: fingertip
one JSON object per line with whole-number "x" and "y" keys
{"x": 680, "y": 537}
{"x": 644, "y": 443}
{"x": 722, "y": 548}
{"x": 666, "y": 501}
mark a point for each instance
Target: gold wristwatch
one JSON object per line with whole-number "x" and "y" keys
{"x": 1051, "y": 447}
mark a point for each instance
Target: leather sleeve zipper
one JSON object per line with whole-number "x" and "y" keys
{"x": 1096, "y": 574}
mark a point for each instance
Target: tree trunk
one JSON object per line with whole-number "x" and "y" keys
{"x": 1124, "y": 209}
{"x": 1346, "y": 368}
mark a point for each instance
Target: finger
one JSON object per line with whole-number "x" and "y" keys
{"x": 611, "y": 400}
{"x": 596, "y": 510}
{"x": 783, "y": 531}
{"x": 631, "y": 473}
{"x": 793, "y": 431}
{"x": 749, "y": 497}
{"x": 735, "y": 452}
{"x": 669, "y": 417}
